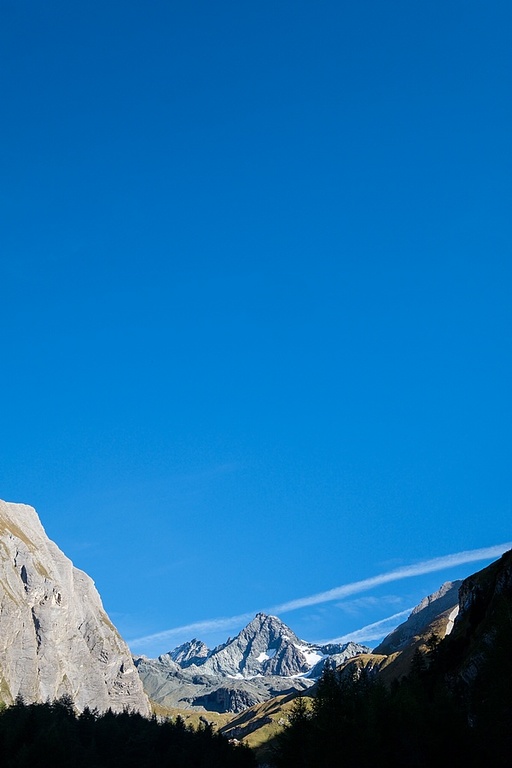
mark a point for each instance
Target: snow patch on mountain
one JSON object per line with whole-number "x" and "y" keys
{"x": 311, "y": 655}
{"x": 265, "y": 655}
{"x": 451, "y": 620}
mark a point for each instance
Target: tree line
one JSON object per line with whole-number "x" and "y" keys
{"x": 53, "y": 734}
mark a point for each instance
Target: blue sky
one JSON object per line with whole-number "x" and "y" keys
{"x": 256, "y": 319}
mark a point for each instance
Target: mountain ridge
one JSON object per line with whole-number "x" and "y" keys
{"x": 264, "y": 659}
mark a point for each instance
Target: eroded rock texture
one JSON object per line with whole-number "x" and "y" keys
{"x": 55, "y": 637}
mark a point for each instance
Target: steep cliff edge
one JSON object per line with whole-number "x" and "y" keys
{"x": 441, "y": 605}
{"x": 476, "y": 659}
{"x": 55, "y": 637}
{"x": 392, "y": 658}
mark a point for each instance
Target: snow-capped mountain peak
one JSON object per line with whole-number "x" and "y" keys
{"x": 265, "y": 647}
{"x": 265, "y": 659}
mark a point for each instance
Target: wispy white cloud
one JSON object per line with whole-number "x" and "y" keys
{"x": 374, "y": 631}
{"x": 405, "y": 572}
{"x": 360, "y": 604}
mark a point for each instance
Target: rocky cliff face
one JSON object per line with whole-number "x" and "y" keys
{"x": 432, "y": 607}
{"x": 265, "y": 659}
{"x": 55, "y": 637}
{"x": 479, "y": 647}
{"x": 434, "y": 615}
{"x": 192, "y": 652}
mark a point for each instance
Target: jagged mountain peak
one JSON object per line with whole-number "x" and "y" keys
{"x": 266, "y": 620}
{"x": 191, "y": 652}
{"x": 266, "y": 628}
{"x": 265, "y": 647}
{"x": 266, "y": 658}
{"x": 450, "y": 588}
{"x": 264, "y": 639}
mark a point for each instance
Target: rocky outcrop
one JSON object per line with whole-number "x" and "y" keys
{"x": 265, "y": 659}
{"x": 192, "y": 652}
{"x": 445, "y": 600}
{"x": 392, "y": 658}
{"x": 55, "y": 637}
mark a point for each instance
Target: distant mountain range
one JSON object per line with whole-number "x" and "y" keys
{"x": 391, "y": 659}
{"x": 450, "y": 703}
{"x": 265, "y": 659}
{"x": 56, "y": 639}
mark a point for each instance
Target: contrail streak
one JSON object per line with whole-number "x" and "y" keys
{"x": 373, "y": 631}
{"x": 405, "y": 572}
{"x": 208, "y": 625}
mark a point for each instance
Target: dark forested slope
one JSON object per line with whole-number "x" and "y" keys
{"x": 454, "y": 706}
{"x": 51, "y": 735}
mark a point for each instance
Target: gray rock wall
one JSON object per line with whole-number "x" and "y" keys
{"x": 55, "y": 637}
{"x": 443, "y": 601}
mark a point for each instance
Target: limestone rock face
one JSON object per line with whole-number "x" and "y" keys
{"x": 55, "y": 637}
{"x": 442, "y": 602}
{"x": 392, "y": 658}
